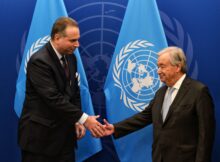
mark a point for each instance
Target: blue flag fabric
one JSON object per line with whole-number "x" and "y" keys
{"x": 88, "y": 145}
{"x": 45, "y": 14}
{"x": 132, "y": 79}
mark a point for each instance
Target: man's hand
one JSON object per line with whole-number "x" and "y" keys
{"x": 80, "y": 131}
{"x": 109, "y": 128}
{"x": 96, "y": 128}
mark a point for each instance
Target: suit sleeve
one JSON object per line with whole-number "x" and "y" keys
{"x": 134, "y": 123}
{"x": 206, "y": 121}
{"x": 43, "y": 81}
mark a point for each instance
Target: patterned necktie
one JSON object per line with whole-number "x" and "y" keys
{"x": 167, "y": 102}
{"x": 65, "y": 67}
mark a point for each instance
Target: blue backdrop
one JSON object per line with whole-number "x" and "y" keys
{"x": 192, "y": 25}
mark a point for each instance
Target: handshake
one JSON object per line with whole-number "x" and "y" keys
{"x": 96, "y": 128}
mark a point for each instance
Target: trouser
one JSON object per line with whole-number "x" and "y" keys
{"x": 32, "y": 157}
{"x": 66, "y": 155}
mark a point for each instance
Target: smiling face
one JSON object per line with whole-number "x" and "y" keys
{"x": 68, "y": 41}
{"x": 168, "y": 73}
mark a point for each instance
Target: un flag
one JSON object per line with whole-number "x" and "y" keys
{"x": 45, "y": 14}
{"x": 132, "y": 79}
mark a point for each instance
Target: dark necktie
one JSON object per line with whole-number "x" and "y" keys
{"x": 65, "y": 67}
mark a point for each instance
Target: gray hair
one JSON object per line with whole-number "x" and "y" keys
{"x": 177, "y": 57}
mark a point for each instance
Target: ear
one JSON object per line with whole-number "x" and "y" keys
{"x": 178, "y": 68}
{"x": 57, "y": 36}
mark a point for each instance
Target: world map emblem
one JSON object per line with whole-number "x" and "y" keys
{"x": 135, "y": 73}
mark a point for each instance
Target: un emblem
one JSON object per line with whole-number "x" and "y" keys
{"x": 35, "y": 47}
{"x": 135, "y": 73}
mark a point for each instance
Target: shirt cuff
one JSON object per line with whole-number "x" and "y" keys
{"x": 83, "y": 118}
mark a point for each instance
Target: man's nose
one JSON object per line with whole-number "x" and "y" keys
{"x": 76, "y": 44}
{"x": 158, "y": 70}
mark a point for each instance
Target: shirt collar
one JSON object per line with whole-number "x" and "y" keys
{"x": 57, "y": 53}
{"x": 179, "y": 82}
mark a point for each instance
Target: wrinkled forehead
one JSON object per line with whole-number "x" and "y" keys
{"x": 164, "y": 56}
{"x": 163, "y": 59}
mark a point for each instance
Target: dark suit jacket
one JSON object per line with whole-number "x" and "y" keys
{"x": 51, "y": 105}
{"x": 187, "y": 134}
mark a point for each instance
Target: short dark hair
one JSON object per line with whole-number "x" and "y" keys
{"x": 61, "y": 24}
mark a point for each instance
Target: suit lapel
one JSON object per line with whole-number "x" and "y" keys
{"x": 71, "y": 59}
{"x": 56, "y": 61}
{"x": 72, "y": 68}
{"x": 181, "y": 93}
{"x": 160, "y": 103}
